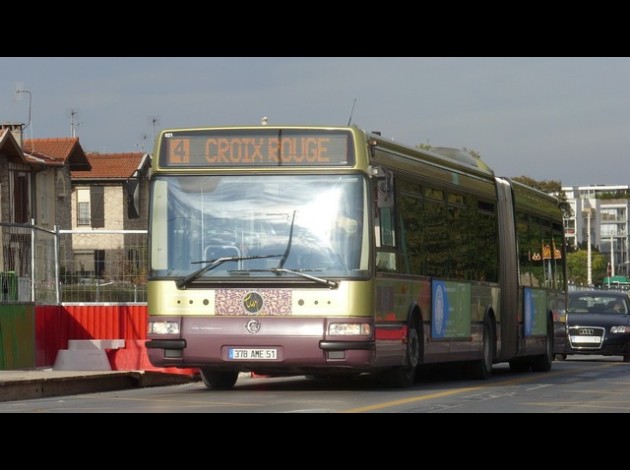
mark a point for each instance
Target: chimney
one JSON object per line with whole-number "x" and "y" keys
{"x": 16, "y": 130}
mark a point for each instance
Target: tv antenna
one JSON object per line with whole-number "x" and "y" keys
{"x": 19, "y": 91}
{"x": 143, "y": 141}
{"x": 154, "y": 121}
{"x": 352, "y": 111}
{"x": 74, "y": 121}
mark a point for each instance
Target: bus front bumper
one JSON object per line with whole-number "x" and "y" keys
{"x": 279, "y": 343}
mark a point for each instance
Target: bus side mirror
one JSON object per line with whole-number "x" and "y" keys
{"x": 385, "y": 190}
{"x": 133, "y": 198}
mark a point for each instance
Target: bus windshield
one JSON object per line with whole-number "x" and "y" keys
{"x": 270, "y": 226}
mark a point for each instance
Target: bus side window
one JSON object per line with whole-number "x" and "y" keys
{"x": 385, "y": 261}
{"x": 385, "y": 238}
{"x": 387, "y": 227}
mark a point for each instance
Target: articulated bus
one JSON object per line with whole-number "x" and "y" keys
{"x": 332, "y": 251}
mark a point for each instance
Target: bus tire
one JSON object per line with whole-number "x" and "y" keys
{"x": 520, "y": 365}
{"x": 543, "y": 362}
{"x": 218, "y": 379}
{"x": 404, "y": 376}
{"x": 482, "y": 369}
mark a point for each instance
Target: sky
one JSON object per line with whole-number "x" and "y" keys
{"x": 548, "y": 118}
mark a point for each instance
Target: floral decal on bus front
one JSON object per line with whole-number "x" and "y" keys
{"x": 247, "y": 302}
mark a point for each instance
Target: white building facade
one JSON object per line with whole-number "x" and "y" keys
{"x": 603, "y": 208}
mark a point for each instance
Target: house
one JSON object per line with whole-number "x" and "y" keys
{"x": 52, "y": 205}
{"x": 15, "y": 177}
{"x": 49, "y": 187}
{"x": 49, "y": 191}
{"x": 100, "y": 208}
{"x": 35, "y": 177}
{"x": 34, "y": 192}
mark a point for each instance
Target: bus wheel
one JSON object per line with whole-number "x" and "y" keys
{"x": 543, "y": 363}
{"x": 520, "y": 365}
{"x": 482, "y": 369}
{"x": 218, "y": 379}
{"x": 403, "y": 376}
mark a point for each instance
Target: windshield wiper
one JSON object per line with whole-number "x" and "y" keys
{"x": 319, "y": 280}
{"x": 185, "y": 281}
{"x": 288, "y": 249}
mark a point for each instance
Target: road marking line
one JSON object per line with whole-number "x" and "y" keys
{"x": 404, "y": 401}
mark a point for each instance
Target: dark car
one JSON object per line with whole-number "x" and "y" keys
{"x": 598, "y": 323}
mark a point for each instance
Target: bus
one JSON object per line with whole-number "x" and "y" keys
{"x": 331, "y": 251}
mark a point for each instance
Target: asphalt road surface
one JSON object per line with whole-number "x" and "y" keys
{"x": 582, "y": 384}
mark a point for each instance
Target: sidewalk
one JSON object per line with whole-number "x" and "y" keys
{"x": 43, "y": 383}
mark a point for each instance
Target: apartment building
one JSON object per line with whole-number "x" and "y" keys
{"x": 600, "y": 215}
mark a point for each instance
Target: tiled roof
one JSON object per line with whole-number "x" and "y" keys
{"x": 57, "y": 151}
{"x": 110, "y": 166}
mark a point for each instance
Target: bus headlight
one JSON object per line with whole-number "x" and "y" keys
{"x": 163, "y": 328}
{"x": 341, "y": 329}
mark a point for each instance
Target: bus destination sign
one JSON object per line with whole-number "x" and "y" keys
{"x": 256, "y": 148}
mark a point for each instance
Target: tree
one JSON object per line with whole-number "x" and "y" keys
{"x": 577, "y": 267}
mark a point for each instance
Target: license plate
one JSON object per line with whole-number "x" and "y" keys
{"x": 252, "y": 354}
{"x": 585, "y": 339}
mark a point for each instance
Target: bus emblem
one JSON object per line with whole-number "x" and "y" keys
{"x": 253, "y": 302}
{"x": 253, "y": 326}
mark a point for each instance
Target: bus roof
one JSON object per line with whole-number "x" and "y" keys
{"x": 452, "y": 158}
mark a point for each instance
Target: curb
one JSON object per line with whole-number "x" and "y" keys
{"x": 59, "y": 386}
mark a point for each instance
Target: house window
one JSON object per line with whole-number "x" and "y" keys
{"x": 20, "y": 198}
{"x": 83, "y": 207}
{"x": 91, "y": 206}
{"x": 99, "y": 263}
{"x": 84, "y": 213}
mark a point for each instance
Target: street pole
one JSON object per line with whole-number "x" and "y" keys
{"x": 612, "y": 256}
{"x": 589, "y": 267}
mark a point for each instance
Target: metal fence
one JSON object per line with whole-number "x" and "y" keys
{"x": 62, "y": 266}
{"x": 27, "y": 269}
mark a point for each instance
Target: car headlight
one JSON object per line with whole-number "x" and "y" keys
{"x": 340, "y": 329}
{"x": 620, "y": 329}
{"x": 163, "y": 327}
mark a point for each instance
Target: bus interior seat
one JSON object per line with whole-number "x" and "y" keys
{"x": 220, "y": 251}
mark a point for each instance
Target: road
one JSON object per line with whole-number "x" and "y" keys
{"x": 581, "y": 384}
